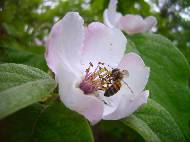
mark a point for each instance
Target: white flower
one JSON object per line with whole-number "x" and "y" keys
{"x": 129, "y": 23}
{"x": 72, "y": 48}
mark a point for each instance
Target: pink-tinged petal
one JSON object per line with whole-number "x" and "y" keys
{"x": 132, "y": 24}
{"x": 103, "y": 44}
{"x": 128, "y": 105}
{"x": 65, "y": 41}
{"x": 150, "y": 22}
{"x": 111, "y": 16}
{"x": 87, "y": 105}
{"x": 138, "y": 72}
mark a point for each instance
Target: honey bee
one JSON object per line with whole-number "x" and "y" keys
{"x": 117, "y": 77}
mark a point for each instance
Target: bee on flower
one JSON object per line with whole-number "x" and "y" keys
{"x": 89, "y": 62}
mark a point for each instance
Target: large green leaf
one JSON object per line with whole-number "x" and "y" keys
{"x": 54, "y": 123}
{"x": 168, "y": 85}
{"x": 155, "y": 124}
{"x": 22, "y": 85}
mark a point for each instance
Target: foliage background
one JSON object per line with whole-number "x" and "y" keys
{"x": 23, "y": 23}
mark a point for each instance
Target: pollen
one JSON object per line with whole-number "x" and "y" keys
{"x": 99, "y": 79}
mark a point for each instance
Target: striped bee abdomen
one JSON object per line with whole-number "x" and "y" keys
{"x": 113, "y": 89}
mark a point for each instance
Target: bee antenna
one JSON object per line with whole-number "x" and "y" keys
{"x": 128, "y": 87}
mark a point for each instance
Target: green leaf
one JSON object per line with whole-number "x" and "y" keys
{"x": 168, "y": 82}
{"x": 60, "y": 124}
{"x": 115, "y": 131}
{"x": 19, "y": 56}
{"x": 155, "y": 124}
{"x": 22, "y": 85}
{"x": 54, "y": 123}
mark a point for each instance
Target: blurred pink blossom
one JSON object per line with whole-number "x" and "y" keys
{"x": 129, "y": 23}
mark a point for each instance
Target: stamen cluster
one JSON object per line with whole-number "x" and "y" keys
{"x": 99, "y": 79}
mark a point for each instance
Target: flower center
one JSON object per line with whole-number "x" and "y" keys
{"x": 99, "y": 79}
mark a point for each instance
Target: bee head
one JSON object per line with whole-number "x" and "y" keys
{"x": 116, "y": 74}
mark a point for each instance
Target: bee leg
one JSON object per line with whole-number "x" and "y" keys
{"x": 105, "y": 102}
{"x": 108, "y": 102}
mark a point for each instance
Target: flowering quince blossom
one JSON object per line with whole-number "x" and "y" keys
{"x": 79, "y": 56}
{"x": 129, "y": 23}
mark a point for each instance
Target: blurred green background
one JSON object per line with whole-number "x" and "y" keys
{"x": 25, "y": 24}
{"x": 25, "y": 21}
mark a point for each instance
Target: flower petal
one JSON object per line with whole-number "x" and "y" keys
{"x": 132, "y": 24}
{"x": 138, "y": 73}
{"x": 128, "y": 104}
{"x": 74, "y": 98}
{"x": 111, "y": 16}
{"x": 103, "y": 44}
{"x": 65, "y": 41}
{"x": 150, "y": 22}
